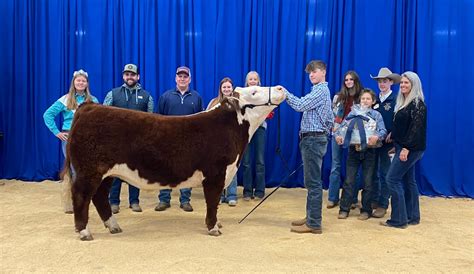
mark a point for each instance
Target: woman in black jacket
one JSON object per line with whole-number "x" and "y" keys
{"x": 409, "y": 137}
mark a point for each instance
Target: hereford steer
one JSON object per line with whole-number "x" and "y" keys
{"x": 151, "y": 151}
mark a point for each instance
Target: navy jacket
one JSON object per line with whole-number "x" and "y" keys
{"x": 173, "y": 103}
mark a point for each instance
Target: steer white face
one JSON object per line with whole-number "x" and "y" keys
{"x": 259, "y": 95}
{"x": 258, "y": 98}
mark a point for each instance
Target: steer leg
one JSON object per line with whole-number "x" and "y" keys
{"x": 212, "y": 193}
{"x": 82, "y": 191}
{"x": 101, "y": 203}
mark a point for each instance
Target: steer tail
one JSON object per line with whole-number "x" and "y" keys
{"x": 66, "y": 176}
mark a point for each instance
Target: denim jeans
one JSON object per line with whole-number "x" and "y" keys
{"x": 256, "y": 147}
{"x": 230, "y": 193}
{"x": 335, "y": 176}
{"x": 313, "y": 149}
{"x": 382, "y": 164}
{"x": 355, "y": 159}
{"x": 184, "y": 198}
{"x": 114, "y": 195}
{"x": 403, "y": 189}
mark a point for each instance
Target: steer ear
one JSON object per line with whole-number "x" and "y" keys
{"x": 230, "y": 103}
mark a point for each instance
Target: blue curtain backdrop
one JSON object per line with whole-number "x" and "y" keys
{"x": 45, "y": 41}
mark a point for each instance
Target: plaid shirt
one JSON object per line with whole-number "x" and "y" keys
{"x": 316, "y": 108}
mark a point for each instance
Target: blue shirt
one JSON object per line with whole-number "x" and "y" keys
{"x": 316, "y": 108}
{"x": 60, "y": 106}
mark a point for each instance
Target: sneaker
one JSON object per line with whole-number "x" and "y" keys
{"x": 379, "y": 212}
{"x": 331, "y": 204}
{"x": 136, "y": 207}
{"x": 343, "y": 215}
{"x": 162, "y": 206}
{"x": 115, "y": 209}
{"x": 363, "y": 216}
{"x": 186, "y": 207}
{"x": 247, "y": 199}
{"x": 257, "y": 198}
{"x": 232, "y": 203}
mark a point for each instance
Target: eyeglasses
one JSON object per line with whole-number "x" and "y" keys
{"x": 80, "y": 72}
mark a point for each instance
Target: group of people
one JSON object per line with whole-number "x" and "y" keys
{"x": 394, "y": 122}
{"x": 370, "y": 128}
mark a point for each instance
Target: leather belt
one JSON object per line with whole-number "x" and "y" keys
{"x": 311, "y": 133}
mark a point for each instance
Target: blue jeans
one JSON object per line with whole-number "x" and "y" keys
{"x": 355, "y": 159}
{"x": 313, "y": 149}
{"x": 63, "y": 148}
{"x": 256, "y": 147}
{"x": 335, "y": 176}
{"x": 184, "y": 198}
{"x": 382, "y": 164}
{"x": 114, "y": 195}
{"x": 230, "y": 193}
{"x": 403, "y": 189}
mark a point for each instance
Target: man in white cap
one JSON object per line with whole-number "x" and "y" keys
{"x": 385, "y": 105}
{"x": 130, "y": 95}
{"x": 179, "y": 101}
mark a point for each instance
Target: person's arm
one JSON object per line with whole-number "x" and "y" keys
{"x": 417, "y": 129}
{"x": 151, "y": 104}
{"x": 108, "y": 99}
{"x": 311, "y": 101}
{"x": 95, "y": 100}
{"x": 380, "y": 131}
{"x": 50, "y": 114}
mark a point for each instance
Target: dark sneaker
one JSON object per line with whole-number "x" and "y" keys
{"x": 186, "y": 207}
{"x": 162, "y": 206}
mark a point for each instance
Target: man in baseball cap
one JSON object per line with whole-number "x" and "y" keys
{"x": 184, "y": 70}
{"x": 130, "y": 68}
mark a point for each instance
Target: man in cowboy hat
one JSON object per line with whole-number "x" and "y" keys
{"x": 385, "y": 105}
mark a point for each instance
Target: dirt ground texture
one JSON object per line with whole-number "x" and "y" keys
{"x": 36, "y": 236}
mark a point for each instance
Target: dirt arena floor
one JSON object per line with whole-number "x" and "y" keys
{"x": 35, "y": 236}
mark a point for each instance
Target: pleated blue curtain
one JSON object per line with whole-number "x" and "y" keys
{"x": 45, "y": 41}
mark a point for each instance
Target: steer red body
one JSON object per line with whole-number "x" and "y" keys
{"x": 151, "y": 151}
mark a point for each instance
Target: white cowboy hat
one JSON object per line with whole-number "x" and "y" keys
{"x": 386, "y": 73}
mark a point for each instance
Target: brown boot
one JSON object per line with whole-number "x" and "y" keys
{"x": 379, "y": 212}
{"x": 332, "y": 204}
{"x": 299, "y": 222}
{"x": 306, "y": 229}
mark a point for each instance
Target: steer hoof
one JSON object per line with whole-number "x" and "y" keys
{"x": 115, "y": 230}
{"x": 68, "y": 211}
{"x": 112, "y": 225}
{"x": 85, "y": 235}
{"x": 219, "y": 225}
{"x": 215, "y": 231}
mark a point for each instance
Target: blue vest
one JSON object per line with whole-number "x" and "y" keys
{"x": 136, "y": 99}
{"x": 386, "y": 109}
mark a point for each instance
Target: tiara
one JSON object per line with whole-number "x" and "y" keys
{"x": 80, "y": 72}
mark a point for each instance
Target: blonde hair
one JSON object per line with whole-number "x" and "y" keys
{"x": 71, "y": 98}
{"x": 248, "y": 76}
{"x": 416, "y": 92}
